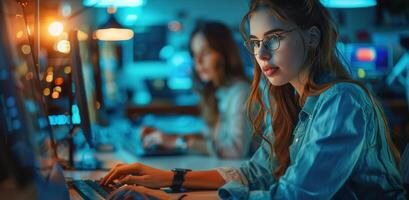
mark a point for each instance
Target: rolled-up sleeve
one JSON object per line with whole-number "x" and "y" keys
{"x": 251, "y": 175}
{"x": 324, "y": 162}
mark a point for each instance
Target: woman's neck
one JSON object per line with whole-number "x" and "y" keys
{"x": 300, "y": 81}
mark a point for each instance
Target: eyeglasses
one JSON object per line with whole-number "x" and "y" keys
{"x": 271, "y": 42}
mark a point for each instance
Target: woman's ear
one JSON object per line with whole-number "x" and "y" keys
{"x": 314, "y": 37}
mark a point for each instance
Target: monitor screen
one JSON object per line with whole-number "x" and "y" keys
{"x": 369, "y": 61}
{"x": 150, "y": 41}
{"x": 80, "y": 88}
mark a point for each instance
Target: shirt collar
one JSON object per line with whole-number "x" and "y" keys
{"x": 222, "y": 90}
{"x": 309, "y": 104}
{"x": 312, "y": 100}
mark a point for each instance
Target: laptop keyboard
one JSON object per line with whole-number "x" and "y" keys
{"x": 91, "y": 189}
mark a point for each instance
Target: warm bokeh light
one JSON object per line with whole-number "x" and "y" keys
{"x": 366, "y": 54}
{"x": 55, "y": 95}
{"x": 67, "y": 69}
{"x": 82, "y": 36}
{"x": 114, "y": 34}
{"x": 28, "y": 30}
{"x": 46, "y": 91}
{"x": 63, "y": 46}
{"x": 98, "y": 105}
{"x": 59, "y": 81}
{"x": 26, "y": 49}
{"x": 57, "y": 89}
{"x": 56, "y": 28}
{"x": 111, "y": 10}
{"x": 49, "y": 78}
{"x": 19, "y": 34}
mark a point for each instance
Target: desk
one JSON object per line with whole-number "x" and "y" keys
{"x": 195, "y": 162}
{"x": 134, "y": 112}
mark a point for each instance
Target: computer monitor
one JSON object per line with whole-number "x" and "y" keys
{"x": 369, "y": 61}
{"x": 21, "y": 94}
{"x": 79, "y": 88}
{"x": 24, "y": 125}
{"x": 150, "y": 41}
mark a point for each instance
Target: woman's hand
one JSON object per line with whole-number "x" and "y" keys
{"x": 138, "y": 192}
{"x": 151, "y": 136}
{"x": 139, "y": 174}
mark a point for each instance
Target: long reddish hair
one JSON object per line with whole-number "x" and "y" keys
{"x": 283, "y": 104}
{"x": 221, "y": 40}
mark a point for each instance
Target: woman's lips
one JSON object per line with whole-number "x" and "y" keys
{"x": 269, "y": 70}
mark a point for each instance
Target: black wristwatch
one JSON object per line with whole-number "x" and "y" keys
{"x": 178, "y": 178}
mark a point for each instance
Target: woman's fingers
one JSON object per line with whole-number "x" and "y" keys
{"x": 118, "y": 172}
{"x": 137, "y": 180}
{"x": 114, "y": 175}
{"x": 104, "y": 179}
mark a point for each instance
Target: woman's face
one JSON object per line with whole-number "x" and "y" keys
{"x": 283, "y": 65}
{"x": 206, "y": 59}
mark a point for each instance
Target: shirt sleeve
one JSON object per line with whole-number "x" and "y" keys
{"x": 324, "y": 163}
{"x": 251, "y": 175}
{"x": 234, "y": 132}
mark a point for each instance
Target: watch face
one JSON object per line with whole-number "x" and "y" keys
{"x": 181, "y": 170}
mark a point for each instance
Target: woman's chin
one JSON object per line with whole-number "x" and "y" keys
{"x": 277, "y": 81}
{"x": 204, "y": 78}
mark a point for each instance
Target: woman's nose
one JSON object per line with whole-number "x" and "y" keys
{"x": 264, "y": 53}
{"x": 198, "y": 60}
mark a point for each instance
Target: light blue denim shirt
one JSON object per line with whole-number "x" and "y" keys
{"x": 338, "y": 152}
{"x": 232, "y": 138}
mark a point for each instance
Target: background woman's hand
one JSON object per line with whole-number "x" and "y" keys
{"x": 151, "y": 136}
{"x": 138, "y": 174}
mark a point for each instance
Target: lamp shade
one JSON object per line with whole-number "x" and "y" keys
{"x": 348, "y": 3}
{"x": 113, "y": 31}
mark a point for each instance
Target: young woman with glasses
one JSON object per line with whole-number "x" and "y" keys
{"x": 329, "y": 137}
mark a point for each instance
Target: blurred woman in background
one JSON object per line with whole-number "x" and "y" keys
{"x": 223, "y": 87}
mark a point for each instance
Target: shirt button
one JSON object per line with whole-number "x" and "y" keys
{"x": 296, "y": 140}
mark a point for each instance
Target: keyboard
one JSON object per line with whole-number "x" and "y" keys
{"x": 91, "y": 189}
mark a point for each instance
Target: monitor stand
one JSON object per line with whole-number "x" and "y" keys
{"x": 71, "y": 164}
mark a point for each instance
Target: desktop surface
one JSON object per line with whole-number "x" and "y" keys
{"x": 190, "y": 161}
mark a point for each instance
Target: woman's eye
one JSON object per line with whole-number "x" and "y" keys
{"x": 256, "y": 43}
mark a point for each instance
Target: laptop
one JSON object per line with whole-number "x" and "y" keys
{"x": 138, "y": 150}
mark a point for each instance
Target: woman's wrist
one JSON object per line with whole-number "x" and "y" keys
{"x": 168, "y": 178}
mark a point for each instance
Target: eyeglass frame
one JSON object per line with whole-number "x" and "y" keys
{"x": 265, "y": 42}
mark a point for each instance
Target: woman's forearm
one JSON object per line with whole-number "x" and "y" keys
{"x": 203, "y": 180}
